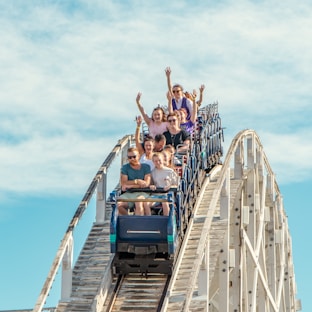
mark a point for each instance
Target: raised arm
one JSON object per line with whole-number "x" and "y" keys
{"x": 141, "y": 109}
{"x": 195, "y": 108}
{"x": 138, "y": 143}
{"x": 169, "y": 97}
{"x": 201, "y": 91}
{"x": 168, "y": 73}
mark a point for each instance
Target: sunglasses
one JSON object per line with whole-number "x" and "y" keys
{"x": 172, "y": 120}
{"x": 131, "y": 156}
{"x": 176, "y": 91}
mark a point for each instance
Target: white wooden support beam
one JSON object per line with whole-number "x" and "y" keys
{"x": 67, "y": 270}
{"x": 203, "y": 277}
{"x": 270, "y": 187}
{"x": 250, "y": 152}
{"x": 225, "y": 197}
{"x": 235, "y": 242}
{"x": 239, "y": 161}
{"x": 282, "y": 266}
{"x": 278, "y": 236}
{"x": 298, "y": 305}
{"x": 260, "y": 271}
{"x": 224, "y": 258}
{"x": 267, "y": 217}
{"x": 232, "y": 261}
{"x": 259, "y": 162}
{"x": 244, "y": 284}
{"x": 250, "y": 202}
{"x": 101, "y": 198}
{"x": 271, "y": 250}
{"x": 252, "y": 276}
{"x": 245, "y": 215}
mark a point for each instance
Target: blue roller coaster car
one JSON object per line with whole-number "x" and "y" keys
{"x": 144, "y": 244}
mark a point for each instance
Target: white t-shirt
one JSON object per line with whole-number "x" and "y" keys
{"x": 164, "y": 177}
{"x": 189, "y": 104}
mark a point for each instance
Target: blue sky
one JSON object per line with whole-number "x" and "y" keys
{"x": 70, "y": 72}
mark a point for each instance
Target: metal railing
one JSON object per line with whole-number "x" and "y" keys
{"x": 64, "y": 252}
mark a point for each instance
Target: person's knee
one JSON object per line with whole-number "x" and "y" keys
{"x": 123, "y": 209}
{"x": 147, "y": 209}
{"x": 139, "y": 209}
{"x": 166, "y": 209}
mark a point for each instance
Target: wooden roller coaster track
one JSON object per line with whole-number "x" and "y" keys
{"x": 236, "y": 254}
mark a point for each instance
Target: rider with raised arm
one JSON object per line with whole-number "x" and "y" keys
{"x": 187, "y": 125}
{"x": 147, "y": 148}
{"x": 157, "y": 123}
{"x": 179, "y": 100}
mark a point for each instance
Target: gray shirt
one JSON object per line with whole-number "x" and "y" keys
{"x": 164, "y": 177}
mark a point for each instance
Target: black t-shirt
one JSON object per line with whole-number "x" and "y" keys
{"x": 176, "y": 139}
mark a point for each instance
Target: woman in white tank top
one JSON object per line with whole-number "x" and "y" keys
{"x": 145, "y": 149}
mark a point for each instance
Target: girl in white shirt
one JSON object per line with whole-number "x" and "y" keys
{"x": 163, "y": 177}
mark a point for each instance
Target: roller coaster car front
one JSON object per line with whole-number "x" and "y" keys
{"x": 143, "y": 244}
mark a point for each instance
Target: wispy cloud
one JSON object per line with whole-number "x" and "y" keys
{"x": 70, "y": 74}
{"x": 290, "y": 154}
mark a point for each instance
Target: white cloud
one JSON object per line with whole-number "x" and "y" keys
{"x": 289, "y": 154}
{"x": 59, "y": 164}
{"x": 69, "y": 76}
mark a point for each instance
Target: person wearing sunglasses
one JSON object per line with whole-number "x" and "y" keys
{"x": 134, "y": 175}
{"x": 186, "y": 124}
{"x": 179, "y": 100}
{"x": 175, "y": 136}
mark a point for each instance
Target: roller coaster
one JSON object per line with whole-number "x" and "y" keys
{"x": 226, "y": 241}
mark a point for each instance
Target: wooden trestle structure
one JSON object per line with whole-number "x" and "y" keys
{"x": 236, "y": 254}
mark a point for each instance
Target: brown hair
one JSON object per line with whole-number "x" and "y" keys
{"x": 133, "y": 149}
{"x": 174, "y": 114}
{"x": 164, "y": 118}
{"x": 178, "y": 86}
{"x": 169, "y": 157}
{"x": 157, "y": 154}
{"x": 170, "y": 148}
{"x": 159, "y": 137}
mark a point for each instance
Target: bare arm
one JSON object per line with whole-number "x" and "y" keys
{"x": 137, "y": 183}
{"x": 138, "y": 143}
{"x": 201, "y": 91}
{"x": 146, "y": 182}
{"x": 169, "y": 97}
{"x": 168, "y": 73}
{"x": 126, "y": 184}
{"x": 194, "y": 111}
{"x": 185, "y": 146}
{"x": 141, "y": 109}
